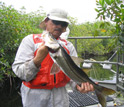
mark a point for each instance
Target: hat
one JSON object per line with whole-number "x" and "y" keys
{"x": 55, "y": 14}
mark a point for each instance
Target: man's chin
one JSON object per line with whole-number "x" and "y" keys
{"x": 56, "y": 35}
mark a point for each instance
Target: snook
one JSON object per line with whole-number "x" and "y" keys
{"x": 68, "y": 66}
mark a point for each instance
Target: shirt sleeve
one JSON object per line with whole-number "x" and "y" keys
{"x": 23, "y": 65}
{"x": 72, "y": 49}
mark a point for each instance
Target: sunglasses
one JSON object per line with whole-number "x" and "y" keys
{"x": 63, "y": 24}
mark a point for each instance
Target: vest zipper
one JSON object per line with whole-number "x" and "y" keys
{"x": 54, "y": 78}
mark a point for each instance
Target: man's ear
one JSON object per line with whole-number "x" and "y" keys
{"x": 46, "y": 20}
{"x": 64, "y": 29}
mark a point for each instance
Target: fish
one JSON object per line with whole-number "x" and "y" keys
{"x": 74, "y": 72}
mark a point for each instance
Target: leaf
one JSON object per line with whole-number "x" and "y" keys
{"x": 122, "y": 5}
{"x": 104, "y": 17}
{"x": 108, "y": 15}
{"x": 96, "y": 33}
{"x": 98, "y": 15}
{"x": 103, "y": 30}
{"x": 117, "y": 20}
{"x": 121, "y": 39}
{"x": 122, "y": 11}
{"x": 108, "y": 2}
{"x": 102, "y": 25}
{"x": 111, "y": 16}
{"x": 96, "y": 10}
{"x": 101, "y": 2}
{"x": 107, "y": 23}
{"x": 111, "y": 1}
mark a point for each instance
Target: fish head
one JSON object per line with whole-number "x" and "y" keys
{"x": 54, "y": 55}
{"x": 54, "y": 46}
{"x": 51, "y": 42}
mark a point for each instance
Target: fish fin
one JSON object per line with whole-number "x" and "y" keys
{"x": 102, "y": 93}
{"x": 101, "y": 98}
{"x": 86, "y": 70}
{"x": 108, "y": 91}
{"x": 54, "y": 69}
{"x": 77, "y": 60}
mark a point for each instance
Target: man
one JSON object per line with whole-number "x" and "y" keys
{"x": 33, "y": 65}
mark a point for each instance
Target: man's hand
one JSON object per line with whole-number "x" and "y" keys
{"x": 41, "y": 54}
{"x": 85, "y": 87}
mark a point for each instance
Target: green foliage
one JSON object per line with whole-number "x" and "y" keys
{"x": 114, "y": 11}
{"x": 14, "y": 26}
{"x": 92, "y": 46}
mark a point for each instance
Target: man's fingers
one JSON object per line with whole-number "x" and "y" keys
{"x": 85, "y": 87}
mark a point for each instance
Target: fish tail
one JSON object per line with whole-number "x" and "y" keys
{"x": 102, "y": 93}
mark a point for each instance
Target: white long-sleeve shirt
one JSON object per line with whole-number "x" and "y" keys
{"x": 25, "y": 69}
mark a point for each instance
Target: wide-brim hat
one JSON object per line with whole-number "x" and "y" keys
{"x": 55, "y": 14}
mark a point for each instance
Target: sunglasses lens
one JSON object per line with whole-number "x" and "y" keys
{"x": 56, "y": 22}
{"x": 63, "y": 24}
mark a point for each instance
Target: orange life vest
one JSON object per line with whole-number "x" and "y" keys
{"x": 43, "y": 79}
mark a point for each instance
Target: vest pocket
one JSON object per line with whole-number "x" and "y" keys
{"x": 60, "y": 76}
{"x": 42, "y": 80}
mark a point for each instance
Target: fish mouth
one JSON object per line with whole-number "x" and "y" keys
{"x": 53, "y": 50}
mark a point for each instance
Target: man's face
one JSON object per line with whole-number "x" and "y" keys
{"x": 56, "y": 28}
